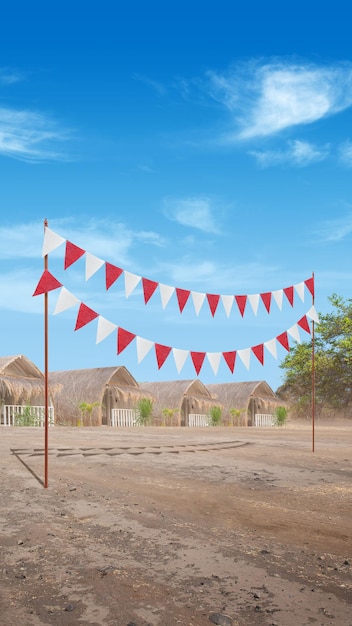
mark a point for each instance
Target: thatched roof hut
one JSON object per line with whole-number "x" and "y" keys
{"x": 183, "y": 396}
{"x": 247, "y": 397}
{"x": 99, "y": 389}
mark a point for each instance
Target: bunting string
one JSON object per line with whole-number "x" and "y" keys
{"x": 149, "y": 287}
{"x": 124, "y": 337}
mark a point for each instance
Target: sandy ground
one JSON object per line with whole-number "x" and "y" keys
{"x": 166, "y": 526}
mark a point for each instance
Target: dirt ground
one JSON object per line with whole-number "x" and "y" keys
{"x": 165, "y": 526}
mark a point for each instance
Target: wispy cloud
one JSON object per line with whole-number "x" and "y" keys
{"x": 299, "y": 153}
{"x": 265, "y": 98}
{"x": 197, "y": 212}
{"x": 30, "y": 136}
{"x": 346, "y": 154}
{"x": 154, "y": 84}
{"x": 8, "y": 76}
{"x": 335, "y": 230}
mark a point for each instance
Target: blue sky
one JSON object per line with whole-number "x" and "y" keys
{"x": 204, "y": 147}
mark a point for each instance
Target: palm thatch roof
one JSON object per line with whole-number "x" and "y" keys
{"x": 171, "y": 394}
{"x": 238, "y": 395}
{"x": 20, "y": 379}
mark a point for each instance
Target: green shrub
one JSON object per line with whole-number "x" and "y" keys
{"x": 144, "y": 410}
{"x": 281, "y": 415}
{"x": 215, "y": 414}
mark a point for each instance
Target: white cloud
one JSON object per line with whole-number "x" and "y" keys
{"x": 196, "y": 211}
{"x": 267, "y": 98}
{"x": 335, "y": 230}
{"x": 7, "y": 76}
{"x": 346, "y": 154}
{"x": 299, "y": 153}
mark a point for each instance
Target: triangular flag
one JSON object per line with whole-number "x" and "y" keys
{"x": 254, "y": 302}
{"x": 47, "y": 282}
{"x": 51, "y": 241}
{"x": 289, "y": 293}
{"x": 104, "y": 329}
{"x": 143, "y": 347}
{"x": 112, "y": 273}
{"x": 303, "y": 323}
{"x": 65, "y": 301}
{"x": 72, "y": 254}
{"x": 313, "y": 315}
{"x": 245, "y": 356}
{"x": 165, "y": 293}
{"x": 93, "y": 264}
{"x": 131, "y": 282}
{"x": 149, "y": 286}
{"x": 161, "y": 353}
{"x": 309, "y": 283}
{"x": 213, "y": 301}
{"x": 283, "y": 339}
{"x": 124, "y": 338}
{"x": 198, "y": 299}
{"x": 214, "y": 360}
{"x": 272, "y": 347}
{"x": 299, "y": 288}
{"x": 85, "y": 315}
{"x": 180, "y": 357}
{"x": 198, "y": 360}
{"x": 266, "y": 298}
{"x": 182, "y": 297}
{"x": 230, "y": 358}
{"x": 241, "y": 303}
{"x": 227, "y": 302}
{"x": 294, "y": 332}
{"x": 278, "y": 295}
{"x": 259, "y": 352}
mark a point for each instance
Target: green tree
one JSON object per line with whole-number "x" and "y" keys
{"x": 332, "y": 363}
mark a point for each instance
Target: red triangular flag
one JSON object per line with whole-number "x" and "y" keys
{"x": 213, "y": 301}
{"x": 266, "y": 297}
{"x": 47, "y": 282}
{"x": 149, "y": 286}
{"x": 182, "y": 297}
{"x": 283, "y": 339}
{"x": 85, "y": 315}
{"x": 230, "y": 358}
{"x": 289, "y": 293}
{"x": 112, "y": 273}
{"x": 161, "y": 352}
{"x": 198, "y": 359}
{"x": 259, "y": 352}
{"x": 72, "y": 254}
{"x": 124, "y": 338}
{"x": 309, "y": 283}
{"x": 303, "y": 323}
{"x": 241, "y": 303}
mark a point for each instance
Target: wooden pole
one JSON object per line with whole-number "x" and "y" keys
{"x": 313, "y": 379}
{"x": 46, "y": 377}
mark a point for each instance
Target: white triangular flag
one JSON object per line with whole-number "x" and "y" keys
{"x": 51, "y": 241}
{"x": 272, "y": 347}
{"x": 143, "y": 347}
{"x": 65, "y": 301}
{"x": 180, "y": 357}
{"x": 198, "y": 299}
{"x": 165, "y": 294}
{"x": 245, "y": 356}
{"x": 227, "y": 302}
{"x": 93, "y": 264}
{"x": 104, "y": 328}
{"x": 131, "y": 282}
{"x": 254, "y": 302}
{"x": 214, "y": 360}
{"x": 294, "y": 332}
{"x": 278, "y": 295}
{"x": 313, "y": 314}
{"x": 299, "y": 288}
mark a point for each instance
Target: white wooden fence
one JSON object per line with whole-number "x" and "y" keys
{"x": 197, "y": 419}
{"x": 124, "y": 417}
{"x": 264, "y": 419}
{"x": 19, "y": 415}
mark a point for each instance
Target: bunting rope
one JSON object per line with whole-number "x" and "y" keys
{"x": 85, "y": 315}
{"x": 112, "y": 273}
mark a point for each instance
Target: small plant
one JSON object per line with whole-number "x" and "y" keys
{"x": 280, "y": 415}
{"x": 86, "y": 409}
{"x": 144, "y": 411}
{"x": 215, "y": 414}
{"x": 168, "y": 415}
{"x": 236, "y": 415}
{"x": 26, "y": 417}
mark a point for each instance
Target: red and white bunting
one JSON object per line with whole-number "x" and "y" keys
{"x": 131, "y": 282}
{"x": 165, "y": 293}
{"x": 51, "y": 241}
{"x": 47, "y": 282}
{"x": 143, "y": 347}
{"x": 65, "y": 301}
{"x": 72, "y": 254}
{"x": 180, "y": 357}
{"x": 104, "y": 329}
{"x": 85, "y": 315}
{"x": 198, "y": 299}
{"x": 214, "y": 359}
{"x": 93, "y": 264}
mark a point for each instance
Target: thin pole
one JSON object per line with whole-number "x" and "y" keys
{"x": 313, "y": 378}
{"x": 46, "y": 377}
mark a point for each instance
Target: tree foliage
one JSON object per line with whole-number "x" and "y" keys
{"x": 332, "y": 363}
